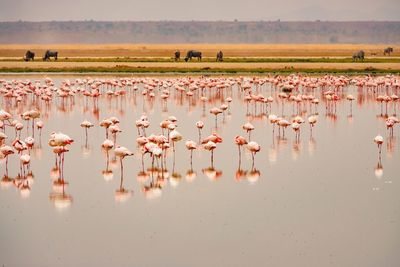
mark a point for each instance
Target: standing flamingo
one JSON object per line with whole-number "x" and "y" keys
{"x": 215, "y": 111}
{"x": 296, "y": 129}
{"x": 39, "y": 126}
{"x": 253, "y": 147}
{"x": 59, "y": 141}
{"x": 30, "y": 142}
{"x": 191, "y": 145}
{"x": 87, "y": 125}
{"x": 5, "y": 116}
{"x": 114, "y": 130}
{"x": 3, "y": 137}
{"x": 312, "y": 120}
{"x": 107, "y": 145}
{"x": 248, "y": 127}
{"x": 199, "y": 126}
{"x": 379, "y": 141}
{"x": 210, "y": 146}
{"x": 273, "y": 119}
{"x": 25, "y": 160}
{"x": 283, "y": 123}
{"x": 122, "y": 152}
{"x": 350, "y": 98}
{"x": 18, "y": 128}
{"x": 6, "y": 151}
{"x": 106, "y": 123}
{"x": 175, "y": 136}
{"x": 240, "y": 141}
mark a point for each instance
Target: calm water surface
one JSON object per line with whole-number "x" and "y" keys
{"x": 318, "y": 202}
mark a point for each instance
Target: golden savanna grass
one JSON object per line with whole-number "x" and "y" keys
{"x": 161, "y": 67}
{"x": 209, "y": 50}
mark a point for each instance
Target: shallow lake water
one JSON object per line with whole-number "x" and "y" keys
{"x": 325, "y": 200}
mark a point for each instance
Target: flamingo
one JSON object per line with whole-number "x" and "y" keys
{"x": 350, "y": 98}
{"x": 5, "y": 152}
{"x": 273, "y": 119}
{"x": 107, "y": 145}
{"x": 106, "y": 123}
{"x": 223, "y": 107}
{"x": 191, "y": 145}
{"x": 214, "y": 137}
{"x": 390, "y": 122}
{"x": 39, "y": 126}
{"x": 59, "y": 141}
{"x": 240, "y": 141}
{"x": 215, "y": 111}
{"x": 5, "y": 116}
{"x": 19, "y": 146}
{"x": 175, "y": 136}
{"x": 296, "y": 128}
{"x": 378, "y": 140}
{"x": 254, "y": 148}
{"x": 210, "y": 146}
{"x": 86, "y": 125}
{"x": 312, "y": 120}
{"x": 122, "y": 152}
{"x": 114, "y": 130}
{"x": 25, "y": 160}
{"x": 30, "y": 142}
{"x": 283, "y": 123}
{"x": 248, "y": 127}
{"x": 199, "y": 125}
{"x": 3, "y": 137}
{"x": 18, "y": 128}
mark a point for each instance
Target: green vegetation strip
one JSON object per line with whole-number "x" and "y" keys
{"x": 128, "y": 69}
{"x": 227, "y": 59}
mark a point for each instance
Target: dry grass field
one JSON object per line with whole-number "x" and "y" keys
{"x": 209, "y": 50}
{"x": 203, "y": 67}
{"x": 238, "y": 58}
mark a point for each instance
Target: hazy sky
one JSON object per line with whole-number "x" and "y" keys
{"x": 44, "y": 10}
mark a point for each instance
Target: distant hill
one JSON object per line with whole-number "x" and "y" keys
{"x": 199, "y": 32}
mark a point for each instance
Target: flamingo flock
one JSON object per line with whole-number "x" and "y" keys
{"x": 290, "y": 101}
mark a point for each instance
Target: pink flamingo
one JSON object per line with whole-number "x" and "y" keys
{"x": 210, "y": 146}
{"x": 114, "y": 130}
{"x": 199, "y": 126}
{"x": 191, "y": 145}
{"x": 312, "y": 120}
{"x": 3, "y": 137}
{"x": 215, "y": 111}
{"x": 296, "y": 128}
{"x": 379, "y": 141}
{"x": 240, "y": 141}
{"x": 248, "y": 127}
{"x": 5, "y": 152}
{"x": 122, "y": 152}
{"x": 25, "y": 160}
{"x": 273, "y": 119}
{"x": 86, "y": 125}
{"x": 283, "y": 123}
{"x": 59, "y": 141}
{"x": 39, "y": 126}
{"x": 106, "y": 123}
{"x": 254, "y": 148}
{"x": 350, "y": 98}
